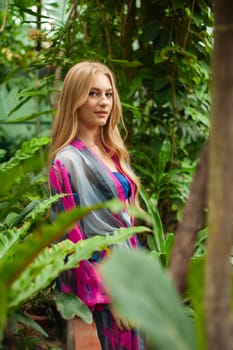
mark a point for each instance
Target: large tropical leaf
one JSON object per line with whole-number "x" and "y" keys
{"x": 144, "y": 294}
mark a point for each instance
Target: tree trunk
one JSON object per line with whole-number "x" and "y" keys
{"x": 192, "y": 220}
{"x": 219, "y": 247}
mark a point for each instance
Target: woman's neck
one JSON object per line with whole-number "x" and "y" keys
{"x": 90, "y": 138}
{"x": 94, "y": 143}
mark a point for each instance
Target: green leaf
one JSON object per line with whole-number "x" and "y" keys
{"x": 33, "y": 13}
{"x": 20, "y": 119}
{"x": 20, "y": 104}
{"x": 125, "y": 63}
{"x": 27, "y": 321}
{"x": 157, "y": 231}
{"x": 150, "y": 31}
{"x": 164, "y": 156}
{"x": 150, "y": 299}
{"x": 197, "y": 116}
{"x": 169, "y": 241}
{"x": 151, "y": 243}
{"x": 31, "y": 92}
{"x": 36, "y": 209}
{"x": 70, "y": 306}
{"x": 28, "y": 149}
{"x": 160, "y": 56}
{"x": 2, "y": 153}
{"x": 196, "y": 277}
{"x": 25, "y": 160}
{"x": 10, "y": 237}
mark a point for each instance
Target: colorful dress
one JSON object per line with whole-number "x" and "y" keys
{"x": 78, "y": 172}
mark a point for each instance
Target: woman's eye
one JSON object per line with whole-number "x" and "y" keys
{"x": 109, "y": 94}
{"x": 92, "y": 93}
{"x": 96, "y": 93}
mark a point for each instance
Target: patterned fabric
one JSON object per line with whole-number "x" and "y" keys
{"x": 86, "y": 180}
{"x": 124, "y": 183}
{"x": 111, "y": 337}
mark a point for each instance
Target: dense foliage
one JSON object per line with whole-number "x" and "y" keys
{"x": 160, "y": 52}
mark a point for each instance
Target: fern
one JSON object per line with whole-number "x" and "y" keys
{"x": 13, "y": 236}
{"x": 14, "y": 174}
{"x": 28, "y": 149}
{"x": 9, "y": 238}
{"x": 29, "y": 271}
{"x": 36, "y": 210}
{"x": 50, "y": 263}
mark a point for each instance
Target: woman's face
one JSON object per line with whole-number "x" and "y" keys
{"x": 98, "y": 106}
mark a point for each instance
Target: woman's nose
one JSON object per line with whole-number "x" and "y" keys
{"x": 103, "y": 100}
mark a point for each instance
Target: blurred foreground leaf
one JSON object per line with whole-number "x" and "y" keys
{"x": 143, "y": 293}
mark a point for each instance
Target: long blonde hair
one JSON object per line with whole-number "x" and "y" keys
{"x": 75, "y": 91}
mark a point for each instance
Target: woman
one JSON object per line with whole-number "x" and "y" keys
{"x": 91, "y": 164}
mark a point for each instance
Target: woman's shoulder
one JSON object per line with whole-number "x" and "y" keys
{"x": 67, "y": 154}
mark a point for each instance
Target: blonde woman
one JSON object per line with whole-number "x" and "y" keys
{"x": 91, "y": 163}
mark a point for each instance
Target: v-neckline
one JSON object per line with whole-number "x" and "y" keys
{"x": 84, "y": 145}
